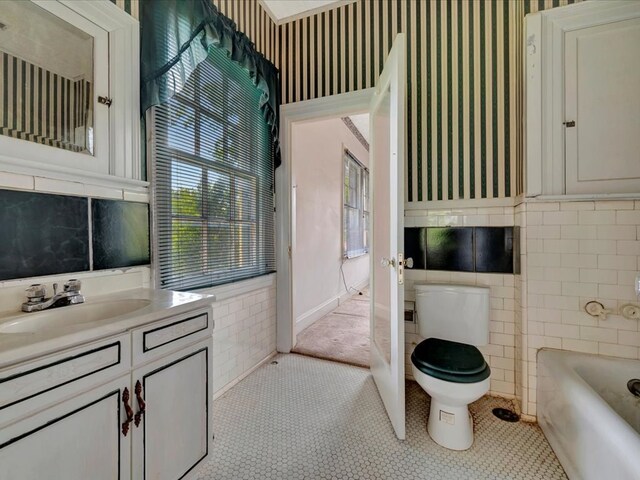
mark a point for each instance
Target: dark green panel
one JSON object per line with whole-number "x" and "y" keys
{"x": 42, "y": 234}
{"x": 120, "y": 234}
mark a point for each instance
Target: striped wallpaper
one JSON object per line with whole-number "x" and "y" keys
{"x": 464, "y": 74}
{"x": 41, "y": 106}
{"x": 464, "y": 83}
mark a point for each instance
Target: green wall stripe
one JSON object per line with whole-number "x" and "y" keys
{"x": 339, "y": 49}
{"x": 449, "y": 104}
{"x": 439, "y": 96}
{"x": 494, "y": 94}
{"x": 472, "y": 118}
{"x": 410, "y": 194}
{"x": 419, "y": 103}
{"x": 429, "y": 103}
{"x": 460, "y": 106}
{"x": 507, "y": 105}
{"x": 483, "y": 108}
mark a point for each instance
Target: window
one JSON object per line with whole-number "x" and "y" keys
{"x": 214, "y": 180}
{"x": 355, "y": 217}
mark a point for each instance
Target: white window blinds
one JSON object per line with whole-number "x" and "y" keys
{"x": 213, "y": 175}
{"x": 356, "y": 208}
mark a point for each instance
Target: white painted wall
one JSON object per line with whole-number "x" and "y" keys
{"x": 317, "y": 210}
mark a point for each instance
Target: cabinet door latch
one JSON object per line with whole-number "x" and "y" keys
{"x": 105, "y": 101}
{"x": 570, "y": 123}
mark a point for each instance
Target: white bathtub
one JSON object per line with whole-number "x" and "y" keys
{"x": 588, "y": 415}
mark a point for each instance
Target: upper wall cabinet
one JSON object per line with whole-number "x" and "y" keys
{"x": 69, "y": 90}
{"x": 583, "y": 100}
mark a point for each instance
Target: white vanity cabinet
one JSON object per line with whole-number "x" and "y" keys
{"x": 77, "y": 439}
{"x": 99, "y": 411}
{"x": 173, "y": 435}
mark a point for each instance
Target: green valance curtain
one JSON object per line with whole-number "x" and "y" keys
{"x": 175, "y": 38}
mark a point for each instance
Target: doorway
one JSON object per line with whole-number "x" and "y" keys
{"x": 294, "y": 116}
{"x": 330, "y": 241}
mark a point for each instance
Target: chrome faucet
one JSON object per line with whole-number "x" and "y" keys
{"x": 37, "y": 301}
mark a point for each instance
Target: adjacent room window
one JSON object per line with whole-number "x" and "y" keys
{"x": 214, "y": 180}
{"x": 355, "y": 216}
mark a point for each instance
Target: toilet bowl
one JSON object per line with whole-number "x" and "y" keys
{"x": 447, "y": 365}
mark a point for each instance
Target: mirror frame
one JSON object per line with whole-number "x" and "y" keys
{"x": 123, "y": 163}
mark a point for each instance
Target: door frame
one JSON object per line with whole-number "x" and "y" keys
{"x": 316, "y": 109}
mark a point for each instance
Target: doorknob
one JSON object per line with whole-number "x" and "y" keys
{"x": 408, "y": 263}
{"x": 388, "y": 262}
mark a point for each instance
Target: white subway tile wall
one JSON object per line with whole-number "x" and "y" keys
{"x": 501, "y": 351}
{"x": 572, "y": 253}
{"x": 243, "y": 336}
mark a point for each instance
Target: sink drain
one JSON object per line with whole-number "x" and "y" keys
{"x": 506, "y": 414}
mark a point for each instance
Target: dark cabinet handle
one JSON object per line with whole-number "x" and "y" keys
{"x": 128, "y": 410}
{"x": 141, "y": 405}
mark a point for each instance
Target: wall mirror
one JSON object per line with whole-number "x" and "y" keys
{"x": 69, "y": 89}
{"x": 47, "y": 94}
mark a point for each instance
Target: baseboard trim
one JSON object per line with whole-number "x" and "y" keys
{"x": 311, "y": 316}
{"x": 234, "y": 382}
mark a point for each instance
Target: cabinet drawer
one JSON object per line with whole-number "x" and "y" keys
{"x": 160, "y": 338}
{"x": 32, "y": 385}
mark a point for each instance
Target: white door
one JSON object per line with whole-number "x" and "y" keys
{"x": 387, "y": 233}
{"x": 602, "y": 95}
{"x": 172, "y": 422}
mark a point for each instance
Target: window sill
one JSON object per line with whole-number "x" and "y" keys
{"x": 354, "y": 256}
{"x": 223, "y": 292}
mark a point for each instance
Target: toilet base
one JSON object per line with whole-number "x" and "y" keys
{"x": 449, "y": 426}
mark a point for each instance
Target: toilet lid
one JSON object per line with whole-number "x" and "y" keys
{"x": 451, "y": 358}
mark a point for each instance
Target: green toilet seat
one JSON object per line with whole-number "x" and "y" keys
{"x": 450, "y": 361}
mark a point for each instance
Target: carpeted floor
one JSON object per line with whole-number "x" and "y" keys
{"x": 342, "y": 335}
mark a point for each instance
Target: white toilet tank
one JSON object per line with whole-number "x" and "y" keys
{"x": 459, "y": 313}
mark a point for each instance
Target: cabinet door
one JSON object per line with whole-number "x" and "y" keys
{"x": 602, "y": 87}
{"x": 77, "y": 439}
{"x": 173, "y": 436}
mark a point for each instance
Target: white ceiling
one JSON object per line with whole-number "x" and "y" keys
{"x": 287, "y": 9}
{"x": 362, "y": 124}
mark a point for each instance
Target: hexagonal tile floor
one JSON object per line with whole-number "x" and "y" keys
{"x": 305, "y": 418}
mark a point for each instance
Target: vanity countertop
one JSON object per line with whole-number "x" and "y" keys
{"x": 20, "y": 346}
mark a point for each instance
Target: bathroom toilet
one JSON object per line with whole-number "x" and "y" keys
{"x": 453, "y": 319}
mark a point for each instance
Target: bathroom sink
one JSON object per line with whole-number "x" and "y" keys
{"x": 72, "y": 315}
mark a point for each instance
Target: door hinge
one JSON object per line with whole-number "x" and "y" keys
{"x": 105, "y": 101}
{"x": 569, "y": 124}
